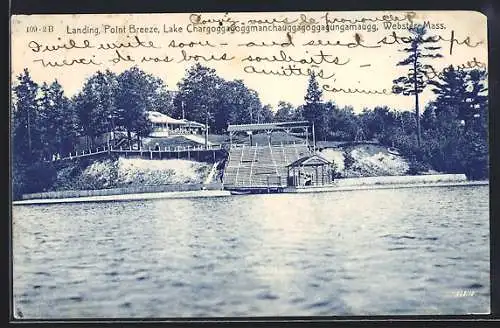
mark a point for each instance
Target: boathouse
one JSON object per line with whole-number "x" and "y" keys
{"x": 312, "y": 170}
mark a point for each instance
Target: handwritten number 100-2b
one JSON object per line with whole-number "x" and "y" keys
{"x": 35, "y": 29}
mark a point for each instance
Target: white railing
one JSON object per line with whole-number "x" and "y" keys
{"x": 104, "y": 149}
{"x": 272, "y": 158}
{"x": 251, "y": 165}
{"x": 239, "y": 164}
{"x": 98, "y": 150}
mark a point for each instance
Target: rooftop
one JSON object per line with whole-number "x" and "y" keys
{"x": 157, "y": 117}
{"x": 312, "y": 160}
{"x": 267, "y": 126}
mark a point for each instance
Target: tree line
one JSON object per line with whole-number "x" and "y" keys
{"x": 46, "y": 122}
{"x": 450, "y": 135}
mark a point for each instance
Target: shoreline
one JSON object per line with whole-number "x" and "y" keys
{"x": 387, "y": 186}
{"x": 128, "y": 197}
{"x": 352, "y": 184}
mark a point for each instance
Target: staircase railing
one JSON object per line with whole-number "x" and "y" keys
{"x": 272, "y": 158}
{"x": 251, "y": 165}
{"x": 239, "y": 164}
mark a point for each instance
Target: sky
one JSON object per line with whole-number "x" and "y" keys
{"x": 41, "y": 40}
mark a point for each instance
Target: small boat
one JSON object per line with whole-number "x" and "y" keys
{"x": 393, "y": 151}
{"x": 240, "y": 192}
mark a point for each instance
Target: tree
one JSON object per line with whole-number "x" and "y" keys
{"x": 242, "y": 104}
{"x": 265, "y": 114}
{"x": 461, "y": 93}
{"x": 198, "y": 96}
{"x": 414, "y": 82}
{"x": 49, "y": 115}
{"x": 137, "y": 92}
{"x": 343, "y": 122}
{"x": 30, "y": 134}
{"x": 314, "y": 110}
{"x": 406, "y": 120}
{"x": 59, "y": 129}
{"x": 27, "y": 145}
{"x": 163, "y": 102}
{"x": 96, "y": 106}
{"x": 377, "y": 122}
{"x": 285, "y": 113}
{"x": 205, "y": 97}
{"x": 458, "y": 123}
{"x": 25, "y": 131}
{"x": 68, "y": 133}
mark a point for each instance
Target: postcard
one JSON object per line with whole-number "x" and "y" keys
{"x": 202, "y": 165}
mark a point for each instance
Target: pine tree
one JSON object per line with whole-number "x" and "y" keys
{"x": 314, "y": 109}
{"x": 461, "y": 111}
{"x": 29, "y": 174}
{"x": 48, "y": 115}
{"x": 414, "y": 82}
{"x": 461, "y": 94}
{"x": 314, "y": 93}
{"x": 59, "y": 127}
{"x": 27, "y": 146}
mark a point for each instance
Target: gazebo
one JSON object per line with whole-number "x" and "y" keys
{"x": 313, "y": 170}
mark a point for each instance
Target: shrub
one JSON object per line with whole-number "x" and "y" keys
{"x": 348, "y": 160}
{"x": 39, "y": 177}
{"x": 67, "y": 177}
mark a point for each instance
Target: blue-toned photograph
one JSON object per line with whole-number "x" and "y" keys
{"x": 249, "y": 165}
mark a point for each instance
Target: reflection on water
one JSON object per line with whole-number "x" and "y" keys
{"x": 405, "y": 251}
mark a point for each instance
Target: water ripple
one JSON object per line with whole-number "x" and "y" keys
{"x": 399, "y": 252}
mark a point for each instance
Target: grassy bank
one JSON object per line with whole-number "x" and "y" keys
{"x": 366, "y": 160}
{"x": 109, "y": 173}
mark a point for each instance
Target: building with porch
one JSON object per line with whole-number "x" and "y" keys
{"x": 164, "y": 125}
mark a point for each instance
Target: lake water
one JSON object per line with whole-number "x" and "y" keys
{"x": 371, "y": 252}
